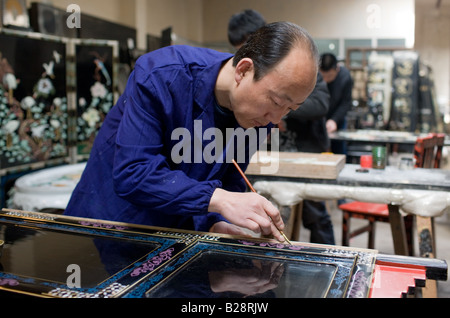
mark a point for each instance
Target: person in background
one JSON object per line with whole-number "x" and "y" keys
{"x": 305, "y": 131}
{"x": 242, "y": 24}
{"x": 340, "y": 86}
{"x": 301, "y": 130}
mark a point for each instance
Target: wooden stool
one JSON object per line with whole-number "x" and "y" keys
{"x": 362, "y": 210}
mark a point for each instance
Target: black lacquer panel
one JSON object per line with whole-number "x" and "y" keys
{"x": 131, "y": 261}
{"x": 33, "y": 100}
{"x": 94, "y": 91}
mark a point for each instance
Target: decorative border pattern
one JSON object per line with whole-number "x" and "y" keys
{"x": 188, "y": 237}
{"x": 109, "y": 292}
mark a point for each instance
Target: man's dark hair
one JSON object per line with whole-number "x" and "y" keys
{"x": 242, "y": 24}
{"x": 270, "y": 44}
{"x": 328, "y": 61}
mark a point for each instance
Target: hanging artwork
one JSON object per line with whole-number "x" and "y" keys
{"x": 95, "y": 93}
{"x": 33, "y": 101}
{"x": 15, "y": 14}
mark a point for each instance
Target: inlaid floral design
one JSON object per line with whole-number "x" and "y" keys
{"x": 94, "y": 101}
{"x": 33, "y": 128}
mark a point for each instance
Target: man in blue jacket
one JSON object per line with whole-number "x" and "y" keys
{"x": 134, "y": 175}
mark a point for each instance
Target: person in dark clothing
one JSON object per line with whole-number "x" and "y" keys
{"x": 242, "y": 24}
{"x": 340, "y": 86}
{"x": 307, "y": 124}
{"x": 306, "y": 132}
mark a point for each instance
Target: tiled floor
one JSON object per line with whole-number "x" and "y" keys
{"x": 383, "y": 241}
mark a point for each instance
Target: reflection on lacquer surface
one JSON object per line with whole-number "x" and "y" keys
{"x": 221, "y": 274}
{"x": 46, "y": 255}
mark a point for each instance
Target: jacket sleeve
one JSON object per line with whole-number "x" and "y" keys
{"x": 345, "y": 103}
{"x": 142, "y": 174}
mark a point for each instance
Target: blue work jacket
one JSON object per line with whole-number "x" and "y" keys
{"x": 130, "y": 175}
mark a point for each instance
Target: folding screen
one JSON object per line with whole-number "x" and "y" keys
{"x": 54, "y": 95}
{"x": 95, "y": 88}
{"x": 33, "y": 101}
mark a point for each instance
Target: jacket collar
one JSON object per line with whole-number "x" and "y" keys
{"x": 206, "y": 81}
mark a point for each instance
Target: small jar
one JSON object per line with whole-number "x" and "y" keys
{"x": 379, "y": 157}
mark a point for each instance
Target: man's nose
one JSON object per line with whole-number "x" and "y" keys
{"x": 275, "y": 116}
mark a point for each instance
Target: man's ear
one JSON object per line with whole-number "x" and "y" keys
{"x": 243, "y": 68}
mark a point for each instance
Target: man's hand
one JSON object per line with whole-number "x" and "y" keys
{"x": 331, "y": 126}
{"x": 249, "y": 210}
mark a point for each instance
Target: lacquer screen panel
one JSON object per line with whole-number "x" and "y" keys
{"x": 51, "y": 255}
{"x": 126, "y": 260}
{"x": 48, "y": 255}
{"x": 95, "y": 82}
{"x": 33, "y": 100}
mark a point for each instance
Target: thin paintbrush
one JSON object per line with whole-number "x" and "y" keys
{"x": 253, "y": 190}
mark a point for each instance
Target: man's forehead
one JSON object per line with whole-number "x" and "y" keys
{"x": 286, "y": 97}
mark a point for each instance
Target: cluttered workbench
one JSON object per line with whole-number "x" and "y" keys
{"x": 423, "y": 193}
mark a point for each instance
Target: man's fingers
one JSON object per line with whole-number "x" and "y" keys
{"x": 269, "y": 219}
{"x": 274, "y": 214}
{"x": 276, "y": 233}
{"x": 265, "y": 226}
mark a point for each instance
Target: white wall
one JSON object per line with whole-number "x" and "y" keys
{"x": 111, "y": 10}
{"x": 433, "y": 44}
{"x": 322, "y": 18}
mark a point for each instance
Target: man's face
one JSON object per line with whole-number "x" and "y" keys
{"x": 284, "y": 88}
{"x": 330, "y": 75}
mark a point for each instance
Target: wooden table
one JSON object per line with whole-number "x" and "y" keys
{"x": 425, "y": 193}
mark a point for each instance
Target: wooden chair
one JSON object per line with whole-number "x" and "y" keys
{"x": 427, "y": 153}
